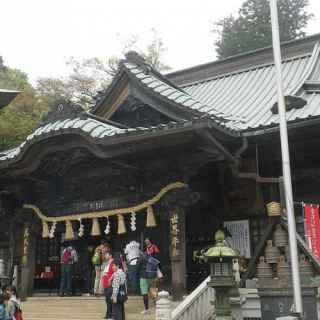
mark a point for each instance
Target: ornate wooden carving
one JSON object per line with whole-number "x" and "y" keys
{"x": 58, "y": 163}
{"x": 135, "y": 113}
{"x": 181, "y": 198}
{"x": 63, "y": 110}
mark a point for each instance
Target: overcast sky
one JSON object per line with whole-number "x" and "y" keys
{"x": 38, "y": 36}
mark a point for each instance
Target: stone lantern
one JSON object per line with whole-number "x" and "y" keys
{"x": 220, "y": 257}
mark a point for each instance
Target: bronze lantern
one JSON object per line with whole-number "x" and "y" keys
{"x": 220, "y": 257}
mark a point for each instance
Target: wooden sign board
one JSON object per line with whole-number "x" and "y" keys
{"x": 240, "y": 236}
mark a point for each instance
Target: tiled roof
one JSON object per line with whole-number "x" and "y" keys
{"x": 251, "y": 93}
{"x": 90, "y": 128}
{"x": 181, "y": 98}
{"x": 6, "y": 96}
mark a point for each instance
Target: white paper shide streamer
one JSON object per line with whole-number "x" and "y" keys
{"x": 81, "y": 229}
{"x": 107, "y": 229}
{"x": 52, "y": 230}
{"x": 133, "y": 218}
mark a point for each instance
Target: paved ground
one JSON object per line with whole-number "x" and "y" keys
{"x": 79, "y": 308}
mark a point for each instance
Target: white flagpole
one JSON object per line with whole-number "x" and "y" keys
{"x": 286, "y": 160}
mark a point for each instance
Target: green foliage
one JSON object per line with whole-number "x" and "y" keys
{"x": 251, "y": 29}
{"x": 21, "y": 116}
{"x": 85, "y": 79}
{"x": 89, "y": 76}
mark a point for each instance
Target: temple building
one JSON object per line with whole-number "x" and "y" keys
{"x": 6, "y": 96}
{"x": 171, "y": 157}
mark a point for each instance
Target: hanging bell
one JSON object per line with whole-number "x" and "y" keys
{"x": 264, "y": 270}
{"x": 283, "y": 269}
{"x": 69, "y": 231}
{"x": 280, "y": 237}
{"x": 121, "y": 224}
{"x": 151, "y": 220}
{"x": 272, "y": 253}
{"x": 305, "y": 267}
{"x": 95, "y": 230}
{"x": 45, "y": 229}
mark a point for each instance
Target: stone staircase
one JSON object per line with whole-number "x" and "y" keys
{"x": 79, "y": 308}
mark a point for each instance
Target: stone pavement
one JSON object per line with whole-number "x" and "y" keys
{"x": 79, "y": 308}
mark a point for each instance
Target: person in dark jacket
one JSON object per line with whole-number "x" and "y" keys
{"x": 147, "y": 276}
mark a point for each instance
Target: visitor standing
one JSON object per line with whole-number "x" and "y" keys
{"x": 97, "y": 260}
{"x": 132, "y": 252}
{"x": 68, "y": 259}
{"x": 86, "y": 270}
{"x": 75, "y": 277}
{"x": 151, "y": 248}
{"x": 14, "y": 306}
{"x": 148, "y": 267}
{"x": 107, "y": 282}
{"x": 119, "y": 291}
{"x": 4, "y": 314}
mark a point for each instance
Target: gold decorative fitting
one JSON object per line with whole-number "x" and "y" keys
{"x": 121, "y": 224}
{"x": 69, "y": 231}
{"x": 45, "y": 229}
{"x": 273, "y": 209}
{"x": 151, "y": 220}
{"x": 95, "y": 230}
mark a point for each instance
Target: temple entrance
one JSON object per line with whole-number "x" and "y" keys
{"x": 48, "y": 252}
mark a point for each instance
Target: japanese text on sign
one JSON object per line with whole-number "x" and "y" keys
{"x": 239, "y": 236}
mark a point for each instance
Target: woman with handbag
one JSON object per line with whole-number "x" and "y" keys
{"x": 97, "y": 261}
{"x": 119, "y": 291}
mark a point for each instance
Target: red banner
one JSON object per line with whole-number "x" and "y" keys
{"x": 312, "y": 228}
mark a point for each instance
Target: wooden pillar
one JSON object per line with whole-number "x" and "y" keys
{"x": 27, "y": 261}
{"x": 178, "y": 252}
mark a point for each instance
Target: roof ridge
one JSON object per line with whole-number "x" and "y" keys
{"x": 247, "y": 53}
{"x": 229, "y": 74}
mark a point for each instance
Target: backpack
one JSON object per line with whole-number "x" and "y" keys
{"x": 66, "y": 256}
{"x": 96, "y": 259}
{"x": 152, "y": 268}
{"x": 17, "y": 312}
{"x": 122, "y": 294}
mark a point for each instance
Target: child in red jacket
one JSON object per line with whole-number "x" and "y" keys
{"x": 107, "y": 282}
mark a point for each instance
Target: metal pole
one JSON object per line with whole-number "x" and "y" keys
{"x": 286, "y": 160}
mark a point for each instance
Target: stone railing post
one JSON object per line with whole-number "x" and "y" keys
{"x": 163, "y": 306}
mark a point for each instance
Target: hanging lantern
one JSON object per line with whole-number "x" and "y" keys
{"x": 273, "y": 209}
{"x": 121, "y": 224}
{"x": 69, "y": 231}
{"x": 95, "y": 230}
{"x": 45, "y": 229}
{"x": 151, "y": 220}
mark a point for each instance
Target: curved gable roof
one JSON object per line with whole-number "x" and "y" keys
{"x": 183, "y": 105}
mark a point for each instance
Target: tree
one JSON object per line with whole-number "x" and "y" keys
{"x": 251, "y": 29}
{"x": 89, "y": 76}
{"x": 22, "y": 115}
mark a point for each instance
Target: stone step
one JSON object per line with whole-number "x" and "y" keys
{"x": 79, "y": 308}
